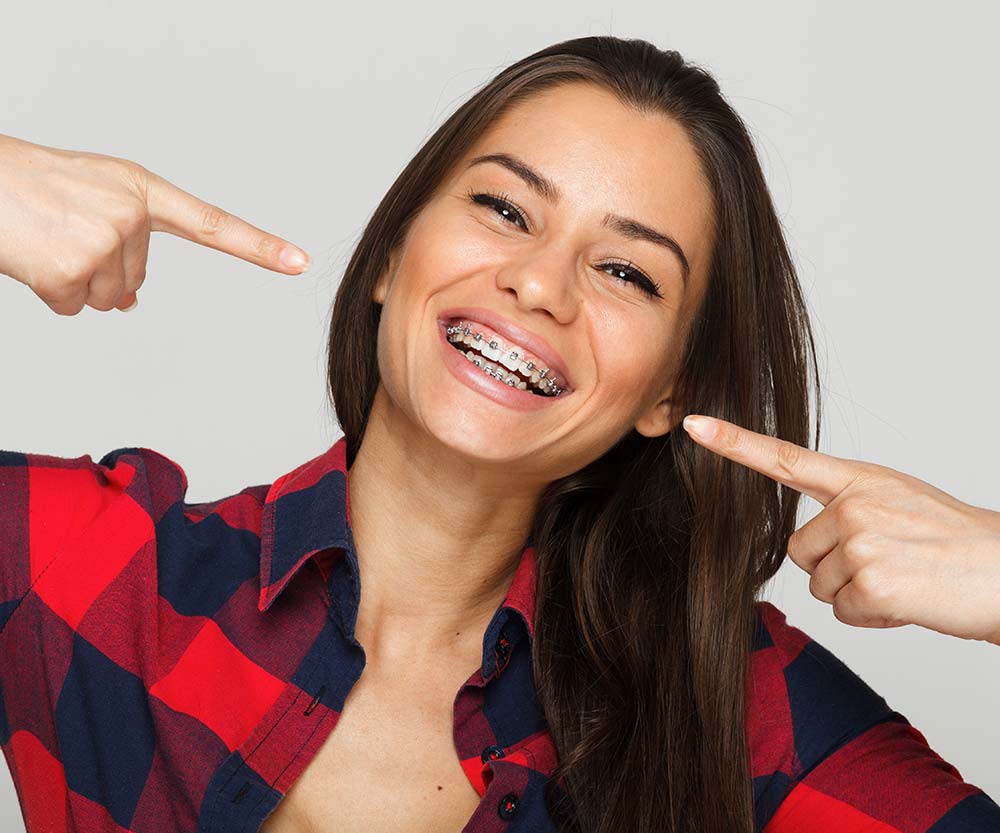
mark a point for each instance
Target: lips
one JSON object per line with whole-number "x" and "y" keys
{"x": 512, "y": 333}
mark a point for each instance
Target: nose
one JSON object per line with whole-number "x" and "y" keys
{"x": 544, "y": 280}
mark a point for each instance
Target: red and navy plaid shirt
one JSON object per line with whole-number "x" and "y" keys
{"x": 168, "y": 667}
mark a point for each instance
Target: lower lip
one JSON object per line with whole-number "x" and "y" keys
{"x": 477, "y": 379}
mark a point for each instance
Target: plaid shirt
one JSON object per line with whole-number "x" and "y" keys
{"x": 168, "y": 667}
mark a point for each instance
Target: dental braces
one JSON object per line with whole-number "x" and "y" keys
{"x": 550, "y": 382}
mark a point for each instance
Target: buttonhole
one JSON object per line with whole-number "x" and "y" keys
{"x": 315, "y": 700}
{"x": 243, "y": 791}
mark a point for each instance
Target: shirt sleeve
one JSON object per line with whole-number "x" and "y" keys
{"x": 830, "y": 755}
{"x": 68, "y": 524}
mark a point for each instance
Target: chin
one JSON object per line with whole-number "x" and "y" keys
{"x": 473, "y": 437}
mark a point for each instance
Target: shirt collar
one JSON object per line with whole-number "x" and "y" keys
{"x": 307, "y": 511}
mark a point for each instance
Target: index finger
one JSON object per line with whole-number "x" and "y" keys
{"x": 174, "y": 210}
{"x": 820, "y": 476}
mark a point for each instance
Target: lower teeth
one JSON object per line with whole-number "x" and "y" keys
{"x": 491, "y": 370}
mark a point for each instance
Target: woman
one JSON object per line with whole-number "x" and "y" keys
{"x": 582, "y": 254}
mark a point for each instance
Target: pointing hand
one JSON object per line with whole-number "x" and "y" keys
{"x": 75, "y": 226}
{"x": 887, "y": 549}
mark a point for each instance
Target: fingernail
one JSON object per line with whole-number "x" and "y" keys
{"x": 293, "y": 258}
{"x": 703, "y": 428}
{"x": 135, "y": 303}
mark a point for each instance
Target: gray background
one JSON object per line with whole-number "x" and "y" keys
{"x": 876, "y": 123}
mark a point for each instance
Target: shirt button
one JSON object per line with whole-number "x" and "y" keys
{"x": 507, "y": 806}
{"x": 491, "y": 753}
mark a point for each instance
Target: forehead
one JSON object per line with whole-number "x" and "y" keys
{"x": 606, "y": 156}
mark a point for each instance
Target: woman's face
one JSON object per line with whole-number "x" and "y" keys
{"x": 555, "y": 272}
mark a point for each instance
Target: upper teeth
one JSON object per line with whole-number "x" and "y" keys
{"x": 510, "y": 357}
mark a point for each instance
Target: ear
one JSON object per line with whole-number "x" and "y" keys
{"x": 378, "y": 296}
{"x": 382, "y": 287}
{"x": 659, "y": 419}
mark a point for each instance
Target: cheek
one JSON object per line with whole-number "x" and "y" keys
{"x": 440, "y": 250}
{"x": 630, "y": 368}
{"x": 449, "y": 247}
{"x": 625, "y": 381}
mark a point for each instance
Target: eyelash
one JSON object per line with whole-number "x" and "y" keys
{"x": 502, "y": 201}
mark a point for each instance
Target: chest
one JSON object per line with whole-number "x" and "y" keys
{"x": 389, "y": 764}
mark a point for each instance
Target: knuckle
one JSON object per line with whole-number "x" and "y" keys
{"x": 136, "y": 175}
{"x": 856, "y": 550}
{"x": 134, "y": 219}
{"x": 844, "y": 609}
{"x": 814, "y": 583}
{"x": 63, "y": 309}
{"x": 876, "y": 479}
{"x": 816, "y": 588}
{"x": 729, "y": 438}
{"x": 104, "y": 304}
{"x": 61, "y": 283}
{"x": 788, "y": 458}
{"x": 792, "y": 547}
{"x": 264, "y": 247}
{"x": 48, "y": 290}
{"x": 90, "y": 241}
{"x": 213, "y": 219}
{"x": 872, "y": 583}
{"x": 109, "y": 241}
{"x": 854, "y": 511}
{"x": 60, "y": 298}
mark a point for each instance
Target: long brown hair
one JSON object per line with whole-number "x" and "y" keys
{"x": 650, "y": 558}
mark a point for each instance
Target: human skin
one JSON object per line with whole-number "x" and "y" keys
{"x": 445, "y": 483}
{"x": 104, "y": 209}
{"x": 887, "y": 549}
{"x": 446, "y": 480}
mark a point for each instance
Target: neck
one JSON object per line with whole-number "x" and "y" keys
{"x": 438, "y": 539}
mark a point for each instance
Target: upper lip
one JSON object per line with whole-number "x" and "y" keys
{"x": 511, "y": 332}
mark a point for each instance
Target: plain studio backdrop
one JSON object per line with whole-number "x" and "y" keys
{"x": 877, "y": 127}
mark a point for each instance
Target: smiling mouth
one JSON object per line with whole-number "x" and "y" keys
{"x": 507, "y": 369}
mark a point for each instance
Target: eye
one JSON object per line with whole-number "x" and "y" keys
{"x": 503, "y": 207}
{"x": 627, "y": 273}
{"x": 622, "y": 270}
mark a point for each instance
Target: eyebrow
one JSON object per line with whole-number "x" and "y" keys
{"x": 549, "y": 191}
